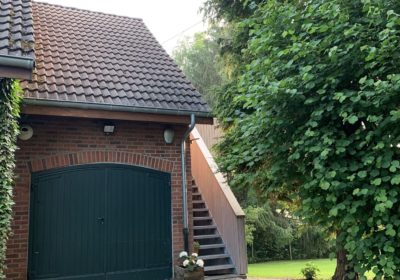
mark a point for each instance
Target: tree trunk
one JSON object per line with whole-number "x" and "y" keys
{"x": 343, "y": 268}
{"x": 341, "y": 265}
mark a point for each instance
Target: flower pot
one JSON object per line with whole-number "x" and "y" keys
{"x": 184, "y": 274}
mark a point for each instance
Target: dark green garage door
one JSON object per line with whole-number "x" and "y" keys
{"x": 100, "y": 221}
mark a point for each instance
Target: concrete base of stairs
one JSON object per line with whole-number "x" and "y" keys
{"x": 228, "y": 276}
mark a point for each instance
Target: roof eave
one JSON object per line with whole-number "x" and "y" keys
{"x": 116, "y": 108}
{"x": 16, "y": 67}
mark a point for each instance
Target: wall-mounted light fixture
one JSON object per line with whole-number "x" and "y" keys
{"x": 108, "y": 128}
{"x": 26, "y": 132}
{"x": 169, "y": 134}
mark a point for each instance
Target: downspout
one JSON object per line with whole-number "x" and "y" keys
{"x": 184, "y": 182}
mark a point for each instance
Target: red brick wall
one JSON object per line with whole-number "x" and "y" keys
{"x": 59, "y": 142}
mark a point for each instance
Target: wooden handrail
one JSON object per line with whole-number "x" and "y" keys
{"x": 221, "y": 202}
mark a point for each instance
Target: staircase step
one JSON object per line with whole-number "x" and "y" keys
{"x": 212, "y": 246}
{"x": 218, "y": 267}
{"x": 198, "y": 201}
{"x": 205, "y": 227}
{"x": 218, "y": 264}
{"x": 200, "y": 209}
{"x": 216, "y": 256}
{"x": 201, "y": 218}
{"x": 206, "y": 236}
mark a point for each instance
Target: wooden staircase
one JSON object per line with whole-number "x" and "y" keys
{"x": 217, "y": 261}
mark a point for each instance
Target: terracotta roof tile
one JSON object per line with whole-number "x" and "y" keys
{"x": 16, "y": 28}
{"x": 92, "y": 57}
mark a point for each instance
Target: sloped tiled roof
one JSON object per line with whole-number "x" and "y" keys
{"x": 16, "y": 28}
{"x": 96, "y": 58}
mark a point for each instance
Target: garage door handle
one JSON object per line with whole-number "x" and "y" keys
{"x": 101, "y": 220}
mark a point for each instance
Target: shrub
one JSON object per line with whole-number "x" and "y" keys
{"x": 310, "y": 271}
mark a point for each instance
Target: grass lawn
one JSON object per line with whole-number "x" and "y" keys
{"x": 291, "y": 269}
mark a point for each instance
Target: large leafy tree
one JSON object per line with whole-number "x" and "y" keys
{"x": 315, "y": 116}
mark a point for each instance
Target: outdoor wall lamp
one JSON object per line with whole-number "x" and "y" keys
{"x": 169, "y": 134}
{"x": 108, "y": 128}
{"x": 26, "y": 132}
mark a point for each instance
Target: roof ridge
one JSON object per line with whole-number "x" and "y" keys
{"x": 84, "y": 10}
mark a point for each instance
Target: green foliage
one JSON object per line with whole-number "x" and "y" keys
{"x": 315, "y": 115}
{"x": 274, "y": 233}
{"x": 230, "y": 9}
{"x": 264, "y": 218}
{"x": 288, "y": 238}
{"x": 196, "y": 247}
{"x": 310, "y": 271}
{"x": 311, "y": 242}
{"x": 199, "y": 60}
{"x": 9, "y": 112}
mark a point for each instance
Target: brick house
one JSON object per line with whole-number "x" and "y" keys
{"x": 100, "y": 189}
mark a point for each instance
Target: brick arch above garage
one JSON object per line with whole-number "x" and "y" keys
{"x": 98, "y": 156}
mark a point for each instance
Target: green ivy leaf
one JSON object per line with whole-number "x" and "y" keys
{"x": 362, "y": 174}
{"x": 391, "y": 232}
{"x": 333, "y": 212}
{"x": 325, "y": 185}
{"x": 394, "y": 166}
{"x": 395, "y": 180}
{"x": 376, "y": 182}
{"x": 352, "y": 119}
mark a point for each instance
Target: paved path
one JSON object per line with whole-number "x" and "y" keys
{"x": 256, "y": 278}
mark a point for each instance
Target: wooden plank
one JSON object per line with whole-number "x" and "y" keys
{"x": 108, "y": 115}
{"x": 201, "y": 155}
{"x": 211, "y": 134}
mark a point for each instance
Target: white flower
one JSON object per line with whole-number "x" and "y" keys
{"x": 200, "y": 262}
{"x": 183, "y": 254}
{"x": 185, "y": 263}
{"x": 195, "y": 255}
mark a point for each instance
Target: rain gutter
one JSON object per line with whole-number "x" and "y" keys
{"x": 17, "y": 62}
{"x": 109, "y": 107}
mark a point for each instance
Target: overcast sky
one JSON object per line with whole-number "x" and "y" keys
{"x": 165, "y": 18}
